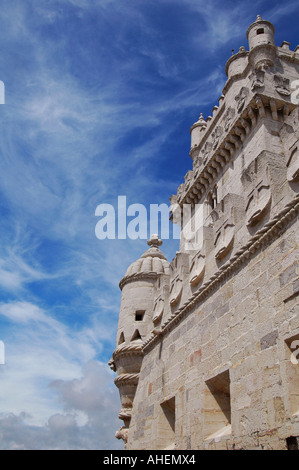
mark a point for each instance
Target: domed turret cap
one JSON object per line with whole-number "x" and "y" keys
{"x": 152, "y": 260}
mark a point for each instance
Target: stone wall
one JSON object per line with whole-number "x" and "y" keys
{"x": 241, "y": 333}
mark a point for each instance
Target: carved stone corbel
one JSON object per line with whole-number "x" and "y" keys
{"x": 260, "y": 106}
{"x": 240, "y": 132}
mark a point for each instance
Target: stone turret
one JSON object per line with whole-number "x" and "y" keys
{"x": 260, "y": 35}
{"x": 135, "y": 322}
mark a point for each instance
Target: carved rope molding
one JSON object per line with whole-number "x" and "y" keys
{"x": 232, "y": 141}
{"x": 150, "y": 275}
{"x": 270, "y": 230}
{"x": 126, "y": 379}
{"x": 128, "y": 350}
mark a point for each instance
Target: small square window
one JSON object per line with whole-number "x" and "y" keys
{"x": 139, "y": 314}
{"x": 260, "y": 31}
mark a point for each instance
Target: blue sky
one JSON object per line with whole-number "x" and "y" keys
{"x": 100, "y": 96}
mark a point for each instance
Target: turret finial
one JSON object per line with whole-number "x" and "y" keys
{"x": 154, "y": 241}
{"x": 258, "y": 18}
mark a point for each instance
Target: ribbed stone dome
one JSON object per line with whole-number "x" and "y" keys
{"x": 152, "y": 260}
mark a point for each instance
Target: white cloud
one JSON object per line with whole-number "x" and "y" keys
{"x": 22, "y": 312}
{"x": 92, "y": 395}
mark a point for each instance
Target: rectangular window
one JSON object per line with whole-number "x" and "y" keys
{"x": 217, "y": 406}
{"x": 139, "y": 314}
{"x": 166, "y": 425}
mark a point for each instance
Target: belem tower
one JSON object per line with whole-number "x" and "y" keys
{"x": 207, "y": 347}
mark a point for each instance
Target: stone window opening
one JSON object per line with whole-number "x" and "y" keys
{"x": 139, "y": 315}
{"x": 260, "y": 31}
{"x": 217, "y": 407}
{"x": 166, "y": 425}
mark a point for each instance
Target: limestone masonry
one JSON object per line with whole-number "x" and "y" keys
{"x": 208, "y": 345}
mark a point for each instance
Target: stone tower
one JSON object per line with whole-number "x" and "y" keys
{"x": 208, "y": 345}
{"x": 135, "y": 322}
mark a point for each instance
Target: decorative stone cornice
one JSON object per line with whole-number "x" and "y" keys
{"x": 138, "y": 276}
{"x": 203, "y": 177}
{"x": 262, "y": 237}
{"x": 289, "y": 56}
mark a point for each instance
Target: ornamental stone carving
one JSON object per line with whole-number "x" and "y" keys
{"x": 197, "y": 269}
{"x": 224, "y": 237}
{"x": 188, "y": 178}
{"x": 180, "y": 192}
{"x": 257, "y": 187}
{"x": 241, "y": 98}
{"x": 176, "y": 287}
{"x": 257, "y": 79}
{"x": 197, "y": 161}
{"x": 282, "y": 85}
{"x": 228, "y": 117}
{"x": 216, "y": 134}
{"x": 206, "y": 151}
{"x": 158, "y": 310}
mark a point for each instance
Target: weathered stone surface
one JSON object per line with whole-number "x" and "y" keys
{"x": 269, "y": 340}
